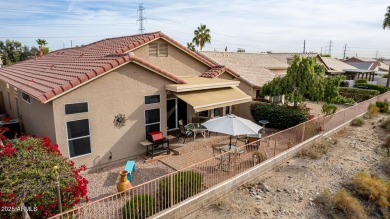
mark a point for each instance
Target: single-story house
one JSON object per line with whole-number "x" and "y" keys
{"x": 368, "y": 64}
{"x": 336, "y": 67}
{"x": 289, "y": 57}
{"x": 73, "y": 95}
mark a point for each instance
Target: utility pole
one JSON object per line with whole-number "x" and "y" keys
{"x": 321, "y": 51}
{"x": 141, "y": 18}
{"x": 71, "y": 45}
{"x": 345, "y": 49}
{"x": 330, "y": 48}
{"x": 304, "y": 46}
{"x": 376, "y": 56}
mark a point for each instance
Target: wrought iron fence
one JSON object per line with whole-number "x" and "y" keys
{"x": 158, "y": 195}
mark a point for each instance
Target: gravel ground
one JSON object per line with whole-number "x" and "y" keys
{"x": 288, "y": 191}
{"x": 102, "y": 181}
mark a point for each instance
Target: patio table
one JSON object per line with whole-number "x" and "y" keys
{"x": 197, "y": 128}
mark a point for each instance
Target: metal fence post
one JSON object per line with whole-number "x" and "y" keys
{"x": 171, "y": 190}
{"x": 235, "y": 161}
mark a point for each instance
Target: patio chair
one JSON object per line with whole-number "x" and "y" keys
{"x": 222, "y": 159}
{"x": 183, "y": 131}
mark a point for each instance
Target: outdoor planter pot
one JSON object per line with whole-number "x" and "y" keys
{"x": 124, "y": 183}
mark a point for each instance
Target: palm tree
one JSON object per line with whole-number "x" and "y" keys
{"x": 386, "y": 24}
{"x": 191, "y": 46}
{"x": 202, "y": 36}
{"x": 41, "y": 42}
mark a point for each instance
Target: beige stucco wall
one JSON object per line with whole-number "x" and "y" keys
{"x": 227, "y": 76}
{"x": 177, "y": 62}
{"x": 120, "y": 91}
{"x": 37, "y": 118}
{"x": 242, "y": 110}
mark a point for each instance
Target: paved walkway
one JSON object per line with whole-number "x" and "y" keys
{"x": 195, "y": 152}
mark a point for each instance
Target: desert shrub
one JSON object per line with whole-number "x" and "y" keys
{"x": 361, "y": 81}
{"x": 386, "y": 124}
{"x": 357, "y": 122}
{"x": 383, "y": 106}
{"x": 385, "y": 76}
{"x": 328, "y": 109}
{"x": 340, "y": 205}
{"x": 372, "y": 189}
{"x": 373, "y": 110}
{"x": 386, "y": 145}
{"x": 358, "y": 94}
{"x": 279, "y": 117}
{"x": 386, "y": 165}
{"x": 316, "y": 151}
{"x": 28, "y": 177}
{"x": 349, "y": 206}
{"x": 185, "y": 185}
{"x": 260, "y": 156}
{"x": 381, "y": 89}
{"x": 139, "y": 206}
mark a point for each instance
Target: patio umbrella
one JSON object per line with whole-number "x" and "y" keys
{"x": 232, "y": 125}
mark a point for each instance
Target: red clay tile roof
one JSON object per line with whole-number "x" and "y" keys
{"x": 214, "y": 72}
{"x": 62, "y": 70}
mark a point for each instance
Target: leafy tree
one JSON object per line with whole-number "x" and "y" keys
{"x": 12, "y": 52}
{"x": 332, "y": 88}
{"x": 28, "y": 178}
{"x": 386, "y": 24}
{"x": 304, "y": 80}
{"x": 191, "y": 46}
{"x": 201, "y": 36}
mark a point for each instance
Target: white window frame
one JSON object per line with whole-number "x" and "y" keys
{"x": 151, "y": 123}
{"x": 76, "y": 103}
{"x": 29, "y": 98}
{"x": 230, "y": 110}
{"x": 176, "y": 115}
{"x": 67, "y": 139}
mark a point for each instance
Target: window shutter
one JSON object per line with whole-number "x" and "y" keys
{"x": 153, "y": 49}
{"x": 163, "y": 50}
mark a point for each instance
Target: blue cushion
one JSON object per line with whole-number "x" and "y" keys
{"x": 130, "y": 167}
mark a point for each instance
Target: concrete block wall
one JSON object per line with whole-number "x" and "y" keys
{"x": 209, "y": 196}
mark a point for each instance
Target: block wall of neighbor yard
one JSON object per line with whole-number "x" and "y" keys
{"x": 217, "y": 177}
{"x": 121, "y": 91}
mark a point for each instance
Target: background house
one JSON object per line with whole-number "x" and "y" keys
{"x": 366, "y": 63}
{"x": 73, "y": 95}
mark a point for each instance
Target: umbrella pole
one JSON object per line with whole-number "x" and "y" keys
{"x": 230, "y": 144}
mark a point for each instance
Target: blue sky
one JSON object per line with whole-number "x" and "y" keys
{"x": 256, "y": 26}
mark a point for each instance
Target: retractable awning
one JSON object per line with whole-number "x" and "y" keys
{"x": 202, "y": 100}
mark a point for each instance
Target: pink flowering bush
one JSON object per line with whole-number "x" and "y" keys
{"x": 27, "y": 178}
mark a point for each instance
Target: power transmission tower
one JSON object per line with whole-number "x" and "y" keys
{"x": 345, "y": 49}
{"x": 304, "y": 46}
{"x": 141, "y": 18}
{"x": 330, "y": 48}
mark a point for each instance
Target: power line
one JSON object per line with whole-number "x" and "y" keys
{"x": 61, "y": 25}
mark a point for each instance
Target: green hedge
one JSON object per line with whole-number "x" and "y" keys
{"x": 385, "y": 76}
{"x": 139, "y": 206}
{"x": 279, "y": 117}
{"x": 383, "y": 106}
{"x": 185, "y": 185}
{"x": 361, "y": 81}
{"x": 358, "y": 94}
{"x": 381, "y": 89}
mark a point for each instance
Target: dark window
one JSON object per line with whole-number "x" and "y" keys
{"x": 204, "y": 114}
{"x": 217, "y": 112}
{"x": 26, "y": 97}
{"x": 9, "y": 101}
{"x": 78, "y": 137}
{"x": 227, "y": 110}
{"x": 152, "y": 120}
{"x": 152, "y": 99}
{"x": 76, "y": 108}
